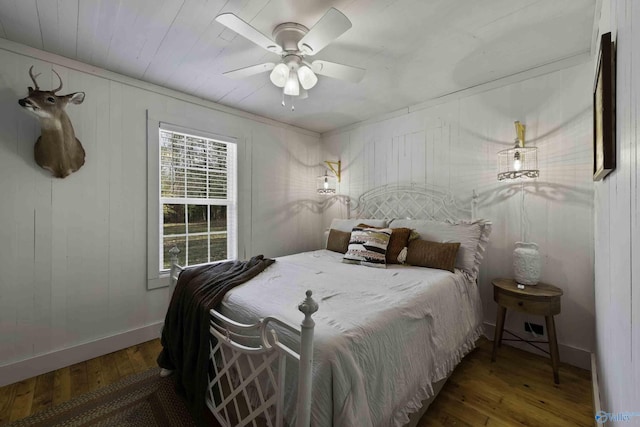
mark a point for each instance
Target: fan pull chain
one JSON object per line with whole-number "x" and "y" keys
{"x": 284, "y": 104}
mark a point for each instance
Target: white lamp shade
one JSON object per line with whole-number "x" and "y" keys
{"x": 279, "y": 75}
{"x": 292, "y": 87}
{"x": 308, "y": 79}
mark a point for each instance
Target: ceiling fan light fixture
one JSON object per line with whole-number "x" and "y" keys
{"x": 293, "y": 42}
{"x": 308, "y": 78}
{"x": 280, "y": 75}
{"x": 292, "y": 87}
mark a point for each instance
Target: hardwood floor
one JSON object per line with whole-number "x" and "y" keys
{"x": 27, "y": 397}
{"x": 517, "y": 389}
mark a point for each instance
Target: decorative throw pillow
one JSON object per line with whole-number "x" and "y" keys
{"x": 469, "y": 234}
{"x": 368, "y": 246}
{"x": 399, "y": 239}
{"x": 338, "y": 241}
{"x": 423, "y": 253}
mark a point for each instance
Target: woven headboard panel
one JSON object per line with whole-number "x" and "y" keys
{"x": 413, "y": 201}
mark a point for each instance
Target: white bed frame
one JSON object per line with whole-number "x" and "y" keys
{"x": 243, "y": 392}
{"x": 411, "y": 201}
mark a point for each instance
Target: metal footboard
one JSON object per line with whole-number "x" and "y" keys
{"x": 248, "y": 363}
{"x": 248, "y": 368}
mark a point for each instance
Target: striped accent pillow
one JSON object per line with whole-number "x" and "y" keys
{"x": 368, "y": 246}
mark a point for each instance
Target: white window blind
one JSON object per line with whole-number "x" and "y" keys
{"x": 197, "y": 198}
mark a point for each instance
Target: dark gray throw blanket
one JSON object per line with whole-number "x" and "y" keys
{"x": 185, "y": 335}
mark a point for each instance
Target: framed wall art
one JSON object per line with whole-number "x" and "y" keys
{"x": 604, "y": 111}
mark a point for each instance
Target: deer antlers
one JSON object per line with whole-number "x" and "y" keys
{"x": 33, "y": 79}
{"x": 59, "y": 87}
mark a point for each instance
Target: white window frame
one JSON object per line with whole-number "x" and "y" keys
{"x": 157, "y": 277}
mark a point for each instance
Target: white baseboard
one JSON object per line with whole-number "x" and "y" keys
{"x": 571, "y": 355}
{"x": 597, "y": 404}
{"x": 41, "y": 364}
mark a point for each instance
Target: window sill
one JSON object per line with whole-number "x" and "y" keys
{"x": 162, "y": 281}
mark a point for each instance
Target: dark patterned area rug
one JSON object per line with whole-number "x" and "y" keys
{"x": 142, "y": 399}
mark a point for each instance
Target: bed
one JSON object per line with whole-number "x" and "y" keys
{"x": 380, "y": 345}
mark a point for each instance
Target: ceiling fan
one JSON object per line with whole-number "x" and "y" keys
{"x": 294, "y": 42}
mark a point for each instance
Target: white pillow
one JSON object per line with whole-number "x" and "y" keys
{"x": 348, "y": 224}
{"x": 470, "y": 235}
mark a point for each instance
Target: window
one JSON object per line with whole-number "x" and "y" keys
{"x": 198, "y": 203}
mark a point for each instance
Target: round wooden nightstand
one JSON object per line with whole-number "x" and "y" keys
{"x": 541, "y": 299}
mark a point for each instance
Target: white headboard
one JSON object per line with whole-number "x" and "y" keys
{"x": 415, "y": 201}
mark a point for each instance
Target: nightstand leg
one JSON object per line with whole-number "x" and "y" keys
{"x": 553, "y": 346}
{"x": 497, "y": 337}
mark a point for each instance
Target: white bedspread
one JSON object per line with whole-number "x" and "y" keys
{"x": 382, "y": 337}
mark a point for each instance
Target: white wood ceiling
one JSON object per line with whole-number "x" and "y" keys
{"x": 413, "y": 50}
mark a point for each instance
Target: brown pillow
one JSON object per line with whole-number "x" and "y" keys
{"x": 338, "y": 241}
{"x": 399, "y": 239}
{"x": 432, "y": 254}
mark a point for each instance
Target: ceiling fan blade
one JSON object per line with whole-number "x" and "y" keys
{"x": 236, "y": 24}
{"x": 338, "y": 71}
{"x": 241, "y": 73}
{"x": 331, "y": 26}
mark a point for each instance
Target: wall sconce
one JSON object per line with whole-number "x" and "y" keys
{"x": 326, "y": 183}
{"x": 519, "y": 161}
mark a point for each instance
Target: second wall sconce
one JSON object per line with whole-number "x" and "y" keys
{"x": 326, "y": 183}
{"x": 519, "y": 161}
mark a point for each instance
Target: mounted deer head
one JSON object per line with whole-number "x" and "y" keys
{"x": 57, "y": 149}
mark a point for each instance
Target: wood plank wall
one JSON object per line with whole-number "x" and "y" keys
{"x": 617, "y": 225}
{"x": 73, "y": 252}
{"x": 455, "y": 145}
